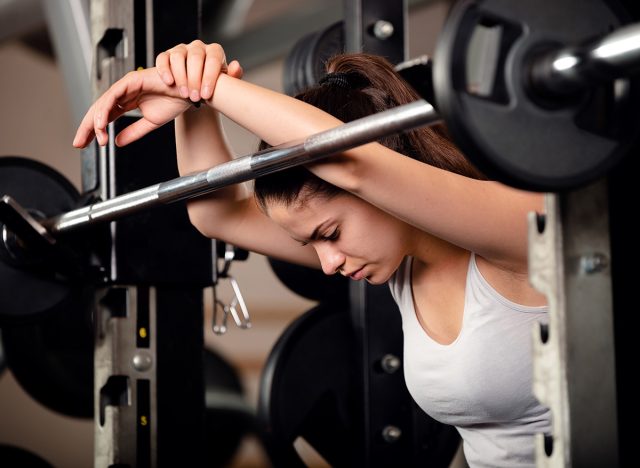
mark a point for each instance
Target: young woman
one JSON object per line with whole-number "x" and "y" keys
{"x": 452, "y": 245}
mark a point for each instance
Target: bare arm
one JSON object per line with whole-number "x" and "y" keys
{"x": 485, "y": 217}
{"x": 230, "y": 214}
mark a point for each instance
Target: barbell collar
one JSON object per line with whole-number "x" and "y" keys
{"x": 571, "y": 70}
{"x": 321, "y": 145}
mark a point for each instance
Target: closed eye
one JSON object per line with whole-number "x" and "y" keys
{"x": 333, "y": 236}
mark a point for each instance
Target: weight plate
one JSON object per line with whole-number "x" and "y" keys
{"x": 228, "y": 418}
{"x": 30, "y": 290}
{"x": 52, "y": 358}
{"x": 304, "y": 65}
{"x": 310, "y": 388}
{"x": 481, "y": 86}
{"x": 310, "y": 282}
{"x": 3, "y": 362}
{"x": 307, "y": 389}
{"x": 16, "y": 457}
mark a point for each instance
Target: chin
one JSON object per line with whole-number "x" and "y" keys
{"x": 377, "y": 279}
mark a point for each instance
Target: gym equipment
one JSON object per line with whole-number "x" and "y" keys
{"x": 310, "y": 388}
{"x": 52, "y": 359}
{"x": 3, "y": 360}
{"x": 228, "y": 417}
{"x": 310, "y": 282}
{"x": 43, "y": 278}
{"x": 304, "y": 64}
{"x": 16, "y": 457}
{"x": 529, "y": 94}
{"x": 555, "y": 173}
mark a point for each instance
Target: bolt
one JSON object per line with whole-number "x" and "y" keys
{"x": 142, "y": 361}
{"x": 382, "y": 29}
{"x": 391, "y": 434}
{"x": 390, "y": 363}
{"x": 593, "y": 263}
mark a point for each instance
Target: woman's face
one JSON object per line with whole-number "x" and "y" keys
{"x": 350, "y": 236}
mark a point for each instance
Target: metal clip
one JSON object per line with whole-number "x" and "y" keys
{"x": 219, "y": 324}
{"x": 221, "y": 311}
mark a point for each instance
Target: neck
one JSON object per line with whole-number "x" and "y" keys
{"x": 430, "y": 249}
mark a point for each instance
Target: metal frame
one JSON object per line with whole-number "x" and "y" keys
{"x": 119, "y": 425}
{"x": 574, "y": 365}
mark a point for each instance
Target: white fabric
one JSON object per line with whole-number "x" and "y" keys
{"x": 482, "y": 382}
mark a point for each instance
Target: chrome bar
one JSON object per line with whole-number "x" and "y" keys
{"x": 416, "y": 114}
{"x": 572, "y": 69}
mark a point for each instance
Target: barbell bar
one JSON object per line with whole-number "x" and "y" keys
{"x": 623, "y": 51}
{"x": 536, "y": 95}
{"x": 574, "y": 69}
{"x": 249, "y": 167}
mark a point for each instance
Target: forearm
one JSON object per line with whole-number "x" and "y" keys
{"x": 200, "y": 140}
{"x": 272, "y": 116}
{"x": 200, "y": 145}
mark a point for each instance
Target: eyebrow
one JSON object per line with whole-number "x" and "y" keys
{"x": 316, "y": 232}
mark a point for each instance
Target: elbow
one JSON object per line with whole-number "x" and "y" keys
{"x": 200, "y": 221}
{"x": 351, "y": 174}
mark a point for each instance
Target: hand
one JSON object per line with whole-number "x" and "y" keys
{"x": 143, "y": 89}
{"x": 194, "y": 68}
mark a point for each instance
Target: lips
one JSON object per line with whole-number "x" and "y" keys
{"x": 357, "y": 275}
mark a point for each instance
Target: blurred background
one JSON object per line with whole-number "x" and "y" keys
{"x": 36, "y": 121}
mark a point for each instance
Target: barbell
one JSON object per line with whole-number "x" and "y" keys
{"x": 552, "y": 109}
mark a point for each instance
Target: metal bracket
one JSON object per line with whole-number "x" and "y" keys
{"x": 573, "y": 365}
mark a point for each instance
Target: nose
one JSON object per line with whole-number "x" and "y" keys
{"x": 331, "y": 258}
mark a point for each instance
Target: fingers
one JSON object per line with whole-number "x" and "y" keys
{"x": 118, "y": 99}
{"x": 177, "y": 62}
{"x": 234, "y": 69}
{"x": 85, "y": 133}
{"x": 135, "y": 131}
{"x": 215, "y": 63}
{"x": 194, "y": 68}
{"x": 196, "y": 58}
{"x": 164, "y": 68}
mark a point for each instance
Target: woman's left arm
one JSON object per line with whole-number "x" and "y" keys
{"x": 485, "y": 217}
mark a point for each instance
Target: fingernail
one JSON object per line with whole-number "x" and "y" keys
{"x": 206, "y": 92}
{"x": 195, "y": 95}
{"x": 184, "y": 92}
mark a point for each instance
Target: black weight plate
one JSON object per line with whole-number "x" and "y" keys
{"x": 506, "y": 133}
{"x": 310, "y": 388}
{"x": 304, "y": 65}
{"x": 52, "y": 358}
{"x": 28, "y": 292}
{"x": 327, "y": 43}
{"x": 227, "y": 418}
{"x": 307, "y": 389}
{"x": 293, "y": 72}
{"x": 311, "y": 283}
{"x": 16, "y": 457}
{"x": 3, "y": 361}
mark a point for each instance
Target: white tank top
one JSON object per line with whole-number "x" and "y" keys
{"x": 482, "y": 382}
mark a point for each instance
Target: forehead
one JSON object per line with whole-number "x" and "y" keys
{"x": 300, "y": 217}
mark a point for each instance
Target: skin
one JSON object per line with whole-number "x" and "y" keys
{"x": 392, "y": 206}
{"x": 347, "y": 234}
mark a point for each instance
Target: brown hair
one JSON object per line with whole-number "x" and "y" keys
{"x": 372, "y": 86}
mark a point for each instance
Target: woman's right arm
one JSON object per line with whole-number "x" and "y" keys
{"x": 230, "y": 214}
{"x": 227, "y": 214}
